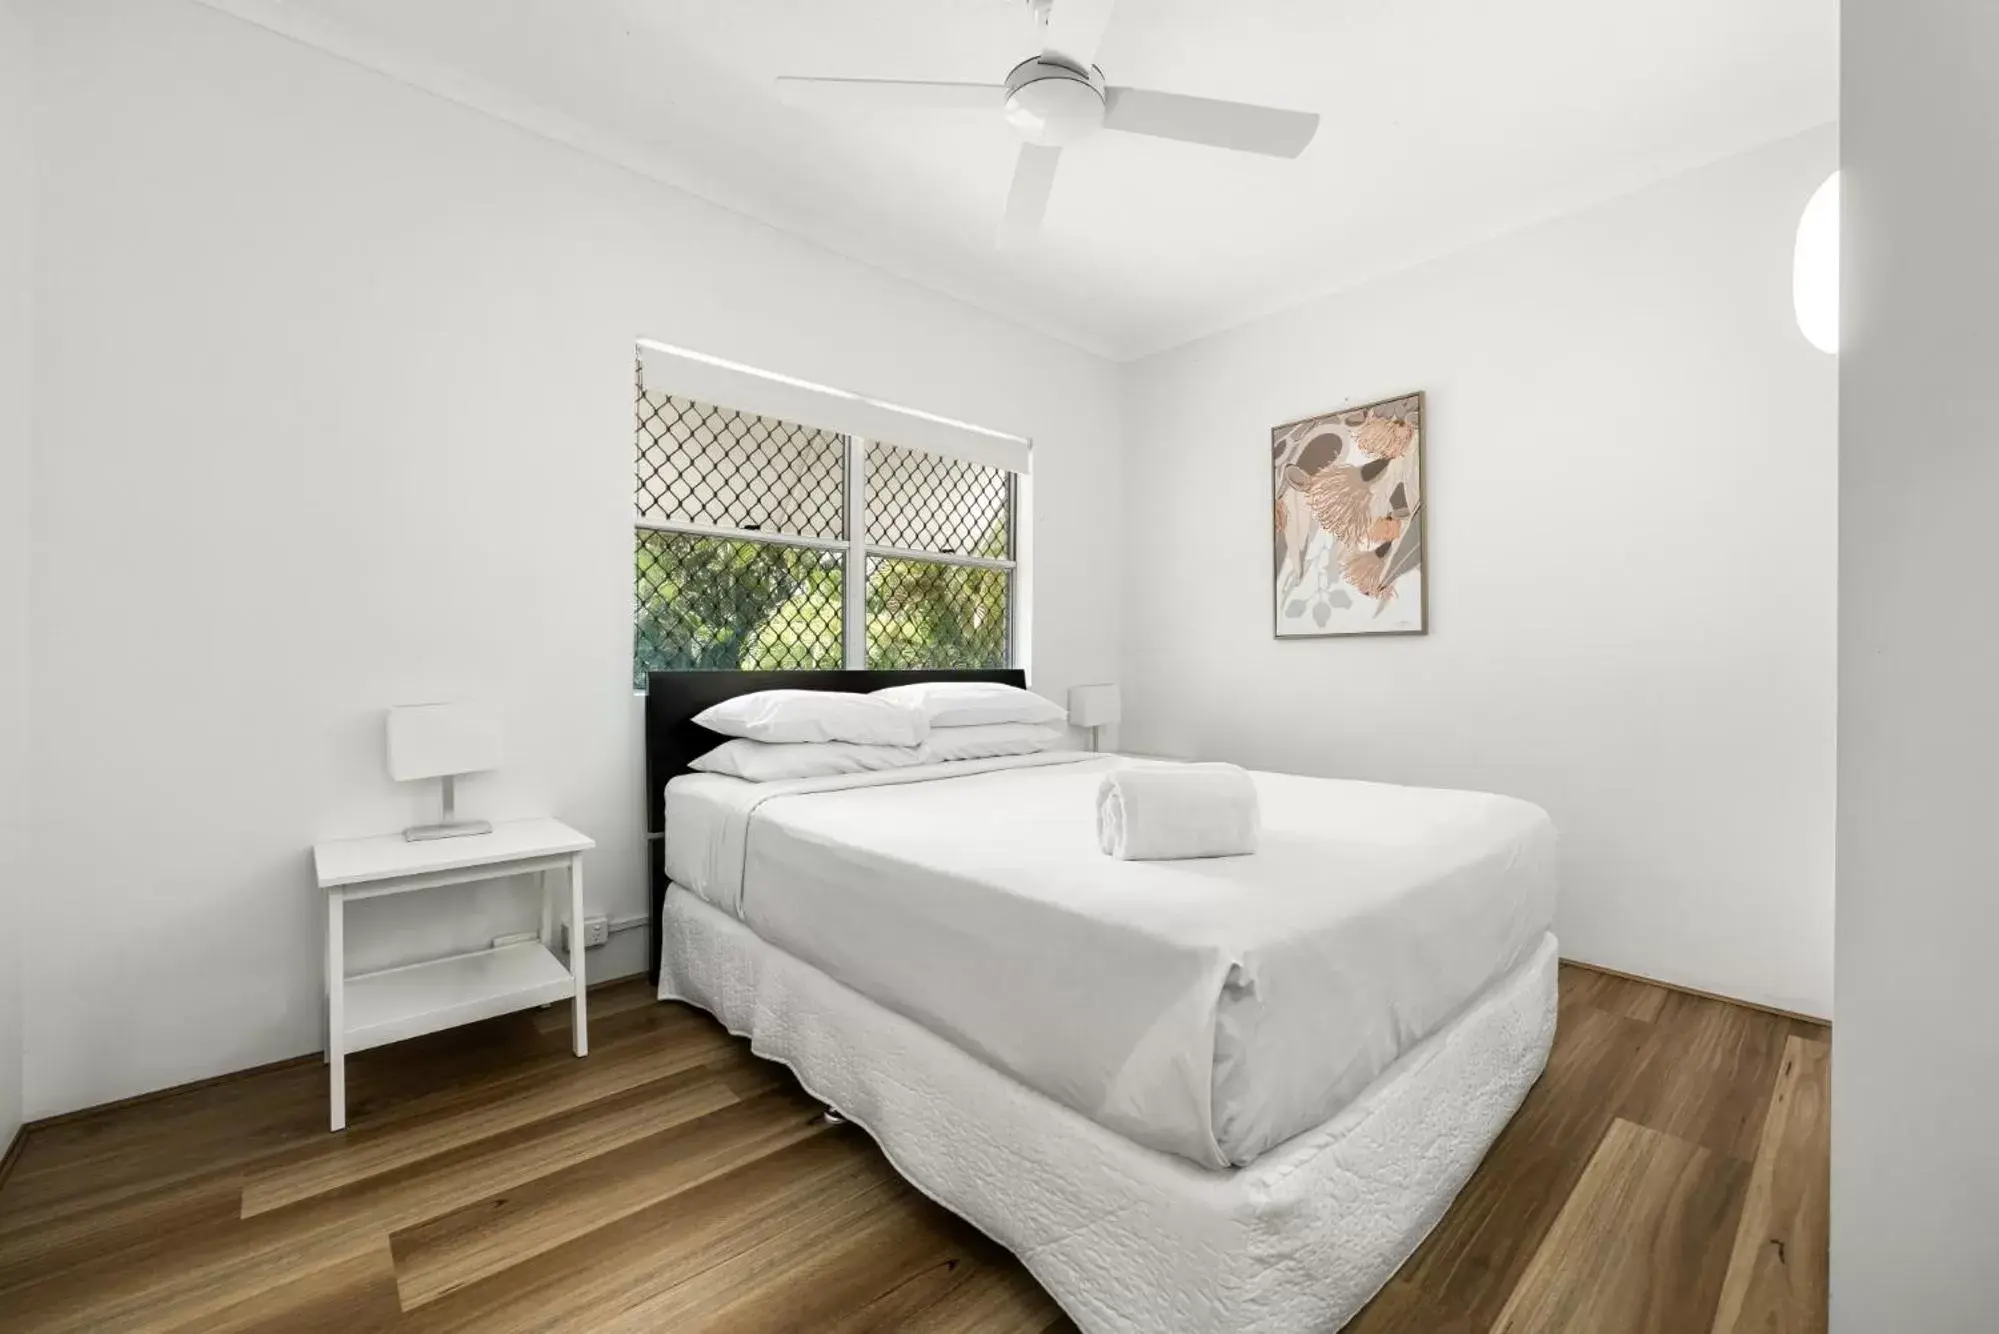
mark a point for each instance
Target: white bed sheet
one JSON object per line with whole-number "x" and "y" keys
{"x": 1130, "y": 1241}
{"x": 1209, "y": 1009}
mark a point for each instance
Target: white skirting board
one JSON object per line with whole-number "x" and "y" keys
{"x": 1129, "y": 1240}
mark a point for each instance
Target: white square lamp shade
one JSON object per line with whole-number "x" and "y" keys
{"x": 1094, "y": 707}
{"x": 442, "y": 741}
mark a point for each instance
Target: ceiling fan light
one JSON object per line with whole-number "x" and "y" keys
{"x": 1052, "y": 105}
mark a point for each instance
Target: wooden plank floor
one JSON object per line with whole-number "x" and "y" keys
{"x": 1668, "y": 1173}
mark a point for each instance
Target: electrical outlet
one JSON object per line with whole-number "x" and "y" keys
{"x": 596, "y": 932}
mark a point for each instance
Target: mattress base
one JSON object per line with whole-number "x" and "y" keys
{"x": 1125, "y": 1238}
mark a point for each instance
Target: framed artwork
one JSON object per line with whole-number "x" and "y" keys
{"x": 1349, "y": 520}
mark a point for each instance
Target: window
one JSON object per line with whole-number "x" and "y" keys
{"x": 764, "y": 543}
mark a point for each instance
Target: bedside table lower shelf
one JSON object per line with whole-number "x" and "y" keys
{"x": 407, "y": 1002}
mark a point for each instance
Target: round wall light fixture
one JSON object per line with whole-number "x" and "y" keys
{"x": 1815, "y": 268}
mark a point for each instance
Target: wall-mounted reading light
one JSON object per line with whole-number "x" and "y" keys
{"x": 1815, "y": 268}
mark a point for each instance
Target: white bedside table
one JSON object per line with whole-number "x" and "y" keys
{"x": 370, "y": 1009}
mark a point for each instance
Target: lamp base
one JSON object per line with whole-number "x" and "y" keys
{"x": 450, "y": 826}
{"x": 423, "y": 833}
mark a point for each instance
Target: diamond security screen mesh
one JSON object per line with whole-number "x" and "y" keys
{"x": 924, "y": 502}
{"x": 701, "y": 464}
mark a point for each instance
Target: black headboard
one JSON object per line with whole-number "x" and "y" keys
{"x": 672, "y": 739}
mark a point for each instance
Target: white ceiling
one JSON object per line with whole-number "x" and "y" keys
{"x": 1445, "y": 122}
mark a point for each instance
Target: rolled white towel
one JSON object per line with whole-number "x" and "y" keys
{"x": 1163, "y": 812}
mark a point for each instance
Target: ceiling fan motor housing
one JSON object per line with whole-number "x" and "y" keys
{"x": 1053, "y": 103}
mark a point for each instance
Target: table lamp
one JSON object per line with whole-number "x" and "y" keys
{"x": 442, "y": 741}
{"x": 1094, "y": 707}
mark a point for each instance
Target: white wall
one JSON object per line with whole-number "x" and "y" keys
{"x": 16, "y": 188}
{"x": 1631, "y": 486}
{"x": 1915, "y": 1181}
{"x": 334, "y": 389}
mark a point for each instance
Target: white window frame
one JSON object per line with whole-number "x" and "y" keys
{"x": 856, "y": 550}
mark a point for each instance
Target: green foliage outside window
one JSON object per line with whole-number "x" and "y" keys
{"x": 708, "y": 604}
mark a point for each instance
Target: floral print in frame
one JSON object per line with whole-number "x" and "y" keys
{"x": 1349, "y": 522}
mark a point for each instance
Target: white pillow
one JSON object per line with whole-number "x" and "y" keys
{"x": 973, "y": 703}
{"x": 769, "y": 761}
{"x": 816, "y": 715}
{"x": 985, "y": 740}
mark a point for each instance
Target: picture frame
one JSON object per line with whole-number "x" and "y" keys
{"x": 1350, "y": 516}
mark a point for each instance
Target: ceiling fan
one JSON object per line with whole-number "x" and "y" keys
{"x": 1059, "y": 98}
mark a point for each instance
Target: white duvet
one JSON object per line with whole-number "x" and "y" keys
{"x": 1209, "y": 1009}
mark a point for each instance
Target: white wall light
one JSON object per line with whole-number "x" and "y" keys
{"x": 1815, "y": 268}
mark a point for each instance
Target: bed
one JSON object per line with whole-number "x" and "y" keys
{"x": 1224, "y": 1095}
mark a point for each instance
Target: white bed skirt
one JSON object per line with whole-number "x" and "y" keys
{"x": 1127, "y": 1239}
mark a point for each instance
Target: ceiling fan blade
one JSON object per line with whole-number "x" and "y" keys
{"x": 1027, "y": 201}
{"x": 889, "y": 94}
{"x": 1203, "y": 120}
{"x": 1076, "y": 29}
